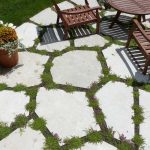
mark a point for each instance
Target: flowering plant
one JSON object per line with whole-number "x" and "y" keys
{"x": 8, "y": 38}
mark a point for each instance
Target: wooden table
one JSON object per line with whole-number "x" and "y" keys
{"x": 135, "y": 7}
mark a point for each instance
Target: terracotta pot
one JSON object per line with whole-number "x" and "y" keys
{"x": 8, "y": 61}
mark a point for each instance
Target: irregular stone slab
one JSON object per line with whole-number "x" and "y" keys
{"x": 92, "y": 3}
{"x": 27, "y": 72}
{"x": 118, "y": 31}
{"x": 99, "y": 146}
{"x": 45, "y": 17}
{"x": 116, "y": 101}
{"x": 67, "y": 114}
{"x": 90, "y": 41}
{"x": 146, "y": 24}
{"x": 54, "y": 46}
{"x": 26, "y": 140}
{"x": 113, "y": 13}
{"x": 78, "y": 68}
{"x": 145, "y": 126}
{"x": 120, "y": 62}
{"x": 27, "y": 33}
{"x": 12, "y": 104}
{"x": 65, "y": 5}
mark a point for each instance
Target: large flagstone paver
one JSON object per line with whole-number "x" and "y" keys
{"x": 120, "y": 64}
{"x": 99, "y": 146}
{"x": 113, "y": 13}
{"x": 12, "y": 104}
{"x": 92, "y": 3}
{"x": 27, "y": 33}
{"x": 27, "y": 72}
{"x": 26, "y": 140}
{"x": 116, "y": 100}
{"x": 145, "y": 126}
{"x": 45, "y": 17}
{"x": 67, "y": 114}
{"x": 65, "y": 5}
{"x": 54, "y": 46}
{"x": 78, "y": 68}
{"x": 90, "y": 41}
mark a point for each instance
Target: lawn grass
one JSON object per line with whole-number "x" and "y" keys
{"x": 19, "y": 11}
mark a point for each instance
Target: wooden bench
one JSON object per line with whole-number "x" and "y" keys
{"x": 142, "y": 38}
{"x": 77, "y": 16}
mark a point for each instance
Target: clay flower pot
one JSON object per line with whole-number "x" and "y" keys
{"x": 7, "y": 60}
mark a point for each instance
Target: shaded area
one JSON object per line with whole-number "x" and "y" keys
{"x": 137, "y": 59}
{"x": 119, "y": 31}
{"x": 52, "y": 34}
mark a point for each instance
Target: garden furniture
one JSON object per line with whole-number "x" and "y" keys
{"x": 77, "y": 16}
{"x": 139, "y": 8}
{"x": 142, "y": 38}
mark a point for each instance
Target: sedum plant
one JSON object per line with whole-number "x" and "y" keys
{"x": 8, "y": 38}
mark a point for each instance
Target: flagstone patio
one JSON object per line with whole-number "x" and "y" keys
{"x": 82, "y": 93}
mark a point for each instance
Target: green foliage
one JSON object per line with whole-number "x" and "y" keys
{"x": 125, "y": 146}
{"x": 109, "y": 134}
{"x": 103, "y": 80}
{"x": 147, "y": 87}
{"x": 3, "y": 86}
{"x": 100, "y": 118}
{"x": 69, "y": 88}
{"x": 19, "y": 87}
{"x": 94, "y": 137}
{"x": 74, "y": 143}
{"x": 138, "y": 140}
{"x": 31, "y": 106}
{"x": 22, "y": 9}
{"x": 20, "y": 121}
{"x": 93, "y": 103}
{"x": 129, "y": 81}
{"x": 138, "y": 117}
{"x": 136, "y": 94}
{"x": 47, "y": 80}
{"x": 38, "y": 124}
{"x": 32, "y": 92}
{"x": 4, "y": 130}
{"x": 51, "y": 144}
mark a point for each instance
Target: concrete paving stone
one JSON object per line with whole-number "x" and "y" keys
{"x": 28, "y": 139}
{"x": 54, "y": 46}
{"x": 27, "y": 72}
{"x": 12, "y": 104}
{"x": 78, "y": 68}
{"x": 45, "y": 17}
{"x": 116, "y": 101}
{"x": 92, "y": 3}
{"x": 120, "y": 63}
{"x": 65, "y": 5}
{"x": 145, "y": 126}
{"x": 27, "y": 33}
{"x": 67, "y": 114}
{"x": 91, "y": 41}
{"x": 99, "y": 146}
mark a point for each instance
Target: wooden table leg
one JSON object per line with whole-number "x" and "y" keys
{"x": 139, "y": 18}
{"x": 115, "y": 19}
{"x": 144, "y": 18}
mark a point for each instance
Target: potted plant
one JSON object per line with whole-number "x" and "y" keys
{"x": 8, "y": 45}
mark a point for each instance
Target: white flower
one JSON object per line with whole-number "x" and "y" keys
{"x": 13, "y": 27}
{"x": 6, "y": 24}
{"x": 10, "y": 25}
{"x": 1, "y": 22}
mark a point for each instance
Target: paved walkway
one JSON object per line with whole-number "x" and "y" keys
{"x": 84, "y": 93}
